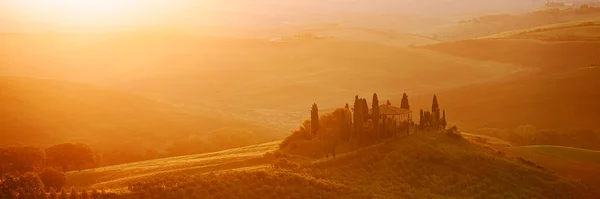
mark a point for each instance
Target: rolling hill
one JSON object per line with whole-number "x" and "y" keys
{"x": 561, "y": 84}
{"x": 569, "y": 31}
{"x": 545, "y": 100}
{"x": 44, "y": 112}
{"x": 431, "y": 164}
{"x": 573, "y": 162}
{"x": 246, "y": 74}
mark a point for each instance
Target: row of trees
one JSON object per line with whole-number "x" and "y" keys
{"x": 347, "y": 127}
{"x": 22, "y": 193}
{"x": 434, "y": 119}
{"x": 65, "y": 157}
{"x": 31, "y": 171}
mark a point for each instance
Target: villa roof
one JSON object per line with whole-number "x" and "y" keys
{"x": 392, "y": 110}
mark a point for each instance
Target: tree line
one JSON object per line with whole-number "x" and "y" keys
{"x": 31, "y": 171}
{"x": 356, "y": 126}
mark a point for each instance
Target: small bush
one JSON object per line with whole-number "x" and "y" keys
{"x": 284, "y": 163}
{"x": 53, "y": 178}
{"x": 454, "y": 133}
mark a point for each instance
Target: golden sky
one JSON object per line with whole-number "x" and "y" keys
{"x": 99, "y": 13}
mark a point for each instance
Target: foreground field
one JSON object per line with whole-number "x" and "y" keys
{"x": 423, "y": 164}
{"x": 119, "y": 177}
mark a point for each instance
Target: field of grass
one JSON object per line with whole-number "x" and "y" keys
{"x": 573, "y": 162}
{"x": 585, "y": 30}
{"x": 119, "y": 176}
{"x": 423, "y": 164}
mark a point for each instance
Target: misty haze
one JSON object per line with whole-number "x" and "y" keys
{"x": 227, "y": 99}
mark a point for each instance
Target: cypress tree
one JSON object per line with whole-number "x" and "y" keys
{"x": 74, "y": 194}
{"x": 314, "y": 119}
{"x": 444, "y": 122}
{"x": 365, "y": 108}
{"x": 356, "y": 117}
{"x": 84, "y": 194}
{"x": 421, "y": 118}
{"x": 63, "y": 194}
{"x": 435, "y": 111}
{"x": 375, "y": 116}
{"x": 53, "y": 194}
{"x": 404, "y": 104}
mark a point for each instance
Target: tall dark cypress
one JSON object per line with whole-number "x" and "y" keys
{"x": 444, "y": 122}
{"x": 358, "y": 121}
{"x": 421, "y": 119}
{"x": 375, "y": 115}
{"x": 404, "y": 104}
{"x": 314, "y": 119}
{"x": 435, "y": 111}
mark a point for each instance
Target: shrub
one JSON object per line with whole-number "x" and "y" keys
{"x": 454, "y": 133}
{"x": 284, "y": 163}
{"x": 53, "y": 178}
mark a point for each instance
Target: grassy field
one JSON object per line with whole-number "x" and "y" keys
{"x": 431, "y": 164}
{"x": 573, "y": 162}
{"x": 585, "y": 30}
{"x": 119, "y": 176}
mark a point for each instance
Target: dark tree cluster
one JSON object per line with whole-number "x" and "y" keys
{"x": 434, "y": 119}
{"x": 31, "y": 171}
{"x": 353, "y": 126}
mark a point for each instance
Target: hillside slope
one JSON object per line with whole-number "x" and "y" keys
{"x": 573, "y": 162}
{"x": 560, "y": 101}
{"x": 424, "y": 164}
{"x": 44, "y": 112}
{"x": 530, "y": 53}
{"x": 245, "y": 73}
{"x": 569, "y": 31}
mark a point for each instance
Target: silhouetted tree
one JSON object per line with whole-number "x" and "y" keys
{"x": 375, "y": 116}
{"x": 63, "y": 194}
{"x": 404, "y": 104}
{"x": 388, "y": 103}
{"x": 358, "y": 118}
{"x": 42, "y": 195}
{"x": 421, "y": 119}
{"x": 314, "y": 118}
{"x": 347, "y": 107}
{"x": 53, "y": 194}
{"x": 31, "y": 182}
{"x": 53, "y": 178}
{"x": 84, "y": 194}
{"x": 21, "y": 159}
{"x": 69, "y": 156}
{"x": 435, "y": 111}
{"x": 74, "y": 194}
{"x": 444, "y": 122}
{"x": 365, "y": 108}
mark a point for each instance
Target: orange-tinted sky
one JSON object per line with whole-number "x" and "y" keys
{"x": 90, "y": 13}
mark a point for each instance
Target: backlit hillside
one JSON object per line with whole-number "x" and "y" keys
{"x": 246, "y": 73}
{"x": 44, "y": 112}
{"x": 431, "y": 164}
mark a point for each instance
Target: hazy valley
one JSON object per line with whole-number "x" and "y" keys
{"x": 217, "y": 104}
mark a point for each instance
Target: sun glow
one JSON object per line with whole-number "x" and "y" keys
{"x": 94, "y": 13}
